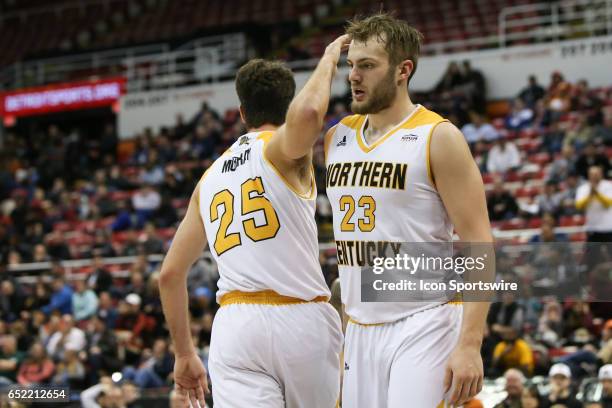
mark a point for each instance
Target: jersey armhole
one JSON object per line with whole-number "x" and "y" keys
{"x": 430, "y": 174}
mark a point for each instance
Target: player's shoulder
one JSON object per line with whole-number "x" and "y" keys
{"x": 351, "y": 121}
{"x": 424, "y": 117}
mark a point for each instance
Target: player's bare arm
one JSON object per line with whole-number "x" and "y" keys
{"x": 189, "y": 241}
{"x": 290, "y": 148}
{"x": 460, "y": 186}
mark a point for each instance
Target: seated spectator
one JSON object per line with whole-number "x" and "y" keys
{"x": 503, "y": 156}
{"x": 61, "y": 298}
{"x": 515, "y": 381}
{"x": 478, "y": 129}
{"x": 69, "y": 371}
{"x": 153, "y": 173}
{"x": 84, "y": 301}
{"x": 554, "y": 138}
{"x": 550, "y": 325}
{"x": 145, "y": 202}
{"x": 102, "y": 244}
{"x": 605, "y": 377}
{"x": 68, "y": 337}
{"x": 150, "y": 241}
{"x": 558, "y": 95}
{"x": 567, "y": 197}
{"x": 10, "y": 358}
{"x": 106, "y": 310}
{"x": 155, "y": 372}
{"x": 134, "y": 328}
{"x": 531, "y": 398}
{"x": 501, "y": 204}
{"x": 37, "y": 368}
{"x": 532, "y": 93}
{"x": 581, "y": 134}
{"x": 591, "y": 157}
{"x": 513, "y": 352}
{"x": 11, "y": 301}
{"x": 549, "y": 201}
{"x": 100, "y": 279}
{"x": 560, "y": 377}
{"x": 103, "y": 347}
{"x": 520, "y": 117}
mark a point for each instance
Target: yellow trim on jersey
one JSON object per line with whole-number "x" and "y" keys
{"x": 353, "y": 121}
{"x": 428, "y": 152}
{"x": 264, "y": 297}
{"x": 266, "y": 136}
{"x": 405, "y": 124}
{"x": 442, "y": 404}
{"x": 351, "y": 320}
{"x": 422, "y": 118}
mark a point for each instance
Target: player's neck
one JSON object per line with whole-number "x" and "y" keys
{"x": 386, "y": 119}
{"x": 263, "y": 128}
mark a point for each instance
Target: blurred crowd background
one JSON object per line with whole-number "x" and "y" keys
{"x": 73, "y": 191}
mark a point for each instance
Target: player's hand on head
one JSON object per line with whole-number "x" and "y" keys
{"x": 464, "y": 375}
{"x": 336, "y": 47}
{"x": 191, "y": 379}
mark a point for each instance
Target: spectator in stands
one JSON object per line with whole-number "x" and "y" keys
{"x": 605, "y": 377}
{"x": 150, "y": 241}
{"x": 56, "y": 246}
{"x": 106, "y": 310}
{"x": 563, "y": 166}
{"x": 61, "y": 299}
{"x": 116, "y": 181}
{"x": 591, "y": 157}
{"x": 500, "y": 203}
{"x": 585, "y": 101}
{"x": 37, "y": 368}
{"x": 451, "y": 79}
{"x": 154, "y": 372}
{"x": 503, "y": 157}
{"x": 100, "y": 278}
{"x": 145, "y": 202}
{"x": 515, "y": 381}
{"x": 166, "y": 216}
{"x": 133, "y": 326}
{"x": 532, "y": 93}
{"x": 550, "y": 325}
{"x": 474, "y": 87}
{"x": 553, "y": 138}
{"x": 152, "y": 173}
{"x": 595, "y": 199}
{"x": 531, "y": 398}
{"x": 11, "y": 301}
{"x": 505, "y": 316}
{"x": 581, "y": 134}
{"x": 109, "y": 141}
{"x": 560, "y": 377}
{"x": 549, "y": 201}
{"x": 68, "y": 337}
{"x": 520, "y": 117}
{"x": 479, "y": 129}
{"x": 103, "y": 346}
{"x": 136, "y": 285}
{"x": 513, "y": 352}
{"x": 84, "y": 301}
{"x": 70, "y": 371}
{"x": 123, "y": 221}
{"x": 10, "y": 358}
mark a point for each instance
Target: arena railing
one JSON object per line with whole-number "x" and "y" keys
{"x": 29, "y": 273}
{"x": 554, "y": 21}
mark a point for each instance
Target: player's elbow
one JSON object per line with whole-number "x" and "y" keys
{"x": 169, "y": 276}
{"x": 305, "y": 116}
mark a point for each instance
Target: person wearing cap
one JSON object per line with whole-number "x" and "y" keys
{"x": 560, "y": 377}
{"x": 605, "y": 378}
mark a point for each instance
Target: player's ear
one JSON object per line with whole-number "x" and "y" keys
{"x": 242, "y": 114}
{"x": 405, "y": 69}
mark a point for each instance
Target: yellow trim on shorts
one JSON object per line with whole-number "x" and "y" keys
{"x": 351, "y": 320}
{"x": 458, "y": 301}
{"x": 264, "y": 297}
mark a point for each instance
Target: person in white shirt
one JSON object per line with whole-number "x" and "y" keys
{"x": 478, "y": 129}
{"x": 503, "y": 157}
{"x": 145, "y": 201}
{"x": 595, "y": 199}
{"x": 67, "y": 337}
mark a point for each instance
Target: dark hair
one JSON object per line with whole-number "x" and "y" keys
{"x": 265, "y": 89}
{"x": 401, "y": 40}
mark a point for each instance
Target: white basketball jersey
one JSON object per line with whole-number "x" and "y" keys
{"x": 262, "y": 234}
{"x": 382, "y": 194}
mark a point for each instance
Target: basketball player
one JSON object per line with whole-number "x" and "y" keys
{"x": 398, "y": 172}
{"x": 276, "y": 340}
